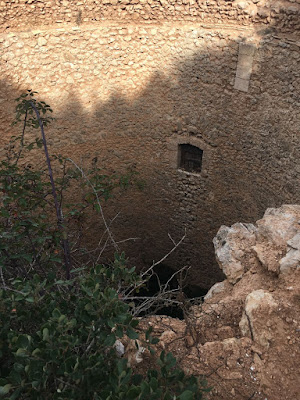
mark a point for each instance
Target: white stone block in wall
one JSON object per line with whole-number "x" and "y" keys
{"x": 244, "y": 72}
{"x": 241, "y": 84}
{"x": 244, "y": 66}
{"x": 247, "y": 48}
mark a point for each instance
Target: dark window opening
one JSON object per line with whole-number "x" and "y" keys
{"x": 190, "y": 158}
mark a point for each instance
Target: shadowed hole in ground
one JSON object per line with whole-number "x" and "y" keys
{"x": 181, "y": 292}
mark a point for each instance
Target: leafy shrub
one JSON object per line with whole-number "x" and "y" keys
{"x": 57, "y": 342}
{"x": 57, "y": 335}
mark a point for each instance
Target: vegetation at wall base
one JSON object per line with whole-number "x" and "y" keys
{"x": 59, "y": 327}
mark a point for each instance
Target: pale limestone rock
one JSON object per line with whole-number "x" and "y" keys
{"x": 291, "y": 260}
{"x": 246, "y": 6}
{"x": 70, "y": 79}
{"x": 258, "y": 303}
{"x": 167, "y": 337}
{"x": 268, "y": 256}
{"x": 277, "y": 234}
{"x": 279, "y": 224}
{"x": 231, "y": 247}
{"x": 241, "y": 4}
{"x": 42, "y": 41}
{"x": 294, "y": 243}
{"x": 120, "y": 348}
{"x": 263, "y": 12}
{"x": 251, "y": 10}
{"x": 218, "y": 287}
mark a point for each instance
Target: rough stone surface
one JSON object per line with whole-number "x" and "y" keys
{"x": 277, "y": 237}
{"x": 252, "y": 324}
{"x": 18, "y": 14}
{"x": 292, "y": 258}
{"x": 126, "y": 78}
{"x": 232, "y": 245}
{"x": 216, "y": 288}
{"x": 244, "y": 338}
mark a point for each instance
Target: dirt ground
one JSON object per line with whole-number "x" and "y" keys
{"x": 245, "y": 338}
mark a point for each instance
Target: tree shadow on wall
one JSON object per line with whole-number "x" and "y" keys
{"x": 250, "y": 165}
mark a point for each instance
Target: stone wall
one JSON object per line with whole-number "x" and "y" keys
{"x": 129, "y": 81}
{"x": 23, "y": 13}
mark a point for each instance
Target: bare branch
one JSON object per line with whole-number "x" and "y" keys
{"x": 170, "y": 252}
{"x": 98, "y": 202}
{"x": 60, "y": 220}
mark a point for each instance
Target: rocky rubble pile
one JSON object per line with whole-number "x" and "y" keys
{"x": 245, "y": 336}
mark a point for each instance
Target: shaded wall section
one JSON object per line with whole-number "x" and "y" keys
{"x": 130, "y": 94}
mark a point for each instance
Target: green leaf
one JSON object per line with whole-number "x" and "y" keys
{"x": 77, "y": 269}
{"x": 153, "y": 383}
{"x": 18, "y": 367}
{"x": 21, "y": 352}
{"x": 110, "y": 340}
{"x": 56, "y": 313}
{"x": 5, "y": 213}
{"x": 23, "y": 341}
{"x": 148, "y": 332}
{"x": 133, "y": 393}
{"x": 45, "y": 334}
{"x": 119, "y": 332}
{"x": 35, "y": 352}
{"x": 171, "y": 360}
{"x": 35, "y": 384}
{"x": 134, "y": 323}
{"x": 186, "y": 395}
{"x": 29, "y": 299}
{"x": 137, "y": 379}
{"x": 5, "y": 389}
{"x": 131, "y": 333}
{"x": 15, "y": 394}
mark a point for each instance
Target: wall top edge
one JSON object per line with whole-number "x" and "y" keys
{"x": 21, "y": 14}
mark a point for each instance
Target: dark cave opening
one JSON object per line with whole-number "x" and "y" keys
{"x": 182, "y": 293}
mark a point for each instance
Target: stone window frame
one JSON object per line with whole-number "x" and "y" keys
{"x": 174, "y": 154}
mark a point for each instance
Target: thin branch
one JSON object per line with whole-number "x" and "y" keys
{"x": 2, "y": 278}
{"x": 22, "y": 138}
{"x": 35, "y": 254}
{"x": 98, "y": 202}
{"x": 13, "y": 290}
{"x": 60, "y": 220}
{"x": 172, "y": 240}
{"x": 103, "y": 235}
{"x": 126, "y": 240}
{"x": 145, "y": 276}
{"x": 170, "y": 252}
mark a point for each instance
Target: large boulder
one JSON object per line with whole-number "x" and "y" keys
{"x": 233, "y": 248}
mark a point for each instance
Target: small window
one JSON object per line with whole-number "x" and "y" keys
{"x": 190, "y": 158}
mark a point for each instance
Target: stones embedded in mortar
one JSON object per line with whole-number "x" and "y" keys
{"x": 42, "y": 41}
{"x": 32, "y": 13}
{"x": 246, "y": 6}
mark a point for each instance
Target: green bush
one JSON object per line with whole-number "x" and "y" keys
{"x": 57, "y": 334}
{"x": 57, "y": 342}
